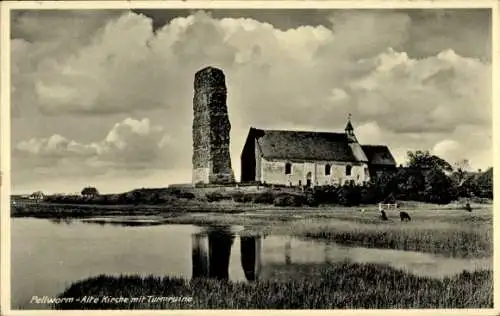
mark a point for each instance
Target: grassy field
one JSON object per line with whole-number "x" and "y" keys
{"x": 448, "y": 232}
{"x": 445, "y": 230}
{"x": 339, "y": 286}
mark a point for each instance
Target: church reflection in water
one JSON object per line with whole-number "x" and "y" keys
{"x": 211, "y": 253}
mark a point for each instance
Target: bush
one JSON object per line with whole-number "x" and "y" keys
{"x": 266, "y": 197}
{"x": 327, "y": 194}
{"x": 117, "y": 199}
{"x": 288, "y": 200}
{"x": 242, "y": 197}
{"x": 310, "y": 200}
{"x": 185, "y": 195}
{"x": 214, "y": 196}
{"x": 347, "y": 195}
{"x": 369, "y": 194}
{"x": 91, "y": 191}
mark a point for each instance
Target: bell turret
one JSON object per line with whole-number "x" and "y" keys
{"x": 349, "y": 130}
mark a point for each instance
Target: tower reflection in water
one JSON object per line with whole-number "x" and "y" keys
{"x": 211, "y": 252}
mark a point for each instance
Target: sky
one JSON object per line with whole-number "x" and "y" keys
{"x": 104, "y": 97}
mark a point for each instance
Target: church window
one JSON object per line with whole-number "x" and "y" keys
{"x": 327, "y": 170}
{"x": 288, "y": 168}
{"x": 348, "y": 170}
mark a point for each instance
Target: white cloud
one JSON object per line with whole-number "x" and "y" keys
{"x": 129, "y": 144}
{"x": 371, "y": 133}
{"x": 447, "y": 149}
{"x": 54, "y": 146}
{"x": 309, "y": 77}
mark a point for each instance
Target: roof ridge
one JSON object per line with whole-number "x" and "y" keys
{"x": 295, "y": 131}
{"x": 371, "y": 145}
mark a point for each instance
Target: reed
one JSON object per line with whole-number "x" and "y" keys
{"x": 342, "y": 285}
{"x": 454, "y": 243}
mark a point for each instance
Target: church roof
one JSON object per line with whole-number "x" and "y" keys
{"x": 305, "y": 145}
{"x": 379, "y": 155}
{"x": 310, "y": 145}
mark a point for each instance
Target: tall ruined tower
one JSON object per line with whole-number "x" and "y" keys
{"x": 211, "y": 128}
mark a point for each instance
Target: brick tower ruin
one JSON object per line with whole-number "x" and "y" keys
{"x": 211, "y": 128}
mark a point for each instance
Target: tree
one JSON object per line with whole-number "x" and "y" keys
{"x": 462, "y": 179}
{"x": 411, "y": 183}
{"x": 384, "y": 184}
{"x": 484, "y": 184}
{"x": 462, "y": 165}
{"x": 424, "y": 160}
{"x": 438, "y": 187}
{"x": 90, "y": 191}
{"x": 461, "y": 171}
{"x": 426, "y": 178}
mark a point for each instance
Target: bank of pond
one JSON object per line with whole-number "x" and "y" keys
{"x": 227, "y": 267}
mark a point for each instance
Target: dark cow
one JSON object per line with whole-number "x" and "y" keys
{"x": 404, "y": 216}
{"x": 468, "y": 208}
{"x": 383, "y": 216}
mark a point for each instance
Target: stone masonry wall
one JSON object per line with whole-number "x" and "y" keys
{"x": 211, "y": 128}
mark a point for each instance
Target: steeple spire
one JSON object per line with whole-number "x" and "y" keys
{"x": 349, "y": 130}
{"x": 348, "y": 127}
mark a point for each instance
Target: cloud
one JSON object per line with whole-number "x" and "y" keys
{"x": 308, "y": 77}
{"x": 54, "y": 147}
{"x": 130, "y": 144}
{"x": 426, "y": 95}
{"x": 72, "y": 27}
{"x": 447, "y": 149}
{"x": 454, "y": 151}
{"x": 351, "y": 62}
{"x": 466, "y": 31}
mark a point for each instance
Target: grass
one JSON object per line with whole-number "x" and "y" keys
{"x": 454, "y": 243}
{"x": 335, "y": 286}
{"x": 52, "y": 210}
{"x": 450, "y": 233}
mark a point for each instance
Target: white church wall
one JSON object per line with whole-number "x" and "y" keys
{"x": 273, "y": 172}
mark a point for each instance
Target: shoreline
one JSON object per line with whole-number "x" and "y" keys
{"x": 57, "y": 210}
{"x": 386, "y": 288}
{"x": 446, "y": 230}
{"x": 67, "y": 210}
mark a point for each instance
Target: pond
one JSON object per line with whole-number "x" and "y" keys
{"x": 48, "y": 256}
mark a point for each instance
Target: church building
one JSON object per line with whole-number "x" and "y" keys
{"x": 307, "y": 158}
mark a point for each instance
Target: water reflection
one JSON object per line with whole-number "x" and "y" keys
{"x": 211, "y": 253}
{"x": 288, "y": 249}
{"x": 251, "y": 253}
{"x": 64, "y": 220}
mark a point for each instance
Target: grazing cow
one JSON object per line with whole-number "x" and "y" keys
{"x": 404, "y": 216}
{"x": 383, "y": 216}
{"x": 468, "y": 208}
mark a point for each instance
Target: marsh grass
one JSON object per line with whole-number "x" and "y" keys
{"x": 454, "y": 243}
{"x": 335, "y": 286}
{"x": 50, "y": 210}
{"x": 452, "y": 240}
{"x": 449, "y": 233}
